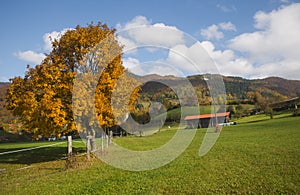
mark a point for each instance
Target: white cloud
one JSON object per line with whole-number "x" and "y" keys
{"x": 227, "y": 61}
{"x": 284, "y": 1}
{"x": 131, "y": 63}
{"x": 129, "y": 45}
{"x": 227, "y": 26}
{"x": 262, "y": 20}
{"x": 185, "y": 56}
{"x": 230, "y": 64}
{"x": 214, "y": 31}
{"x": 150, "y": 34}
{"x": 191, "y": 60}
{"x": 226, "y": 8}
{"x": 35, "y": 57}
{"x": 4, "y": 79}
{"x": 30, "y": 56}
{"x": 158, "y": 34}
{"x": 50, "y": 37}
{"x": 161, "y": 68}
{"x": 287, "y": 69}
{"x": 137, "y": 21}
{"x": 274, "y": 48}
{"x": 152, "y": 67}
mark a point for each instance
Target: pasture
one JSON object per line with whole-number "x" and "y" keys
{"x": 249, "y": 158}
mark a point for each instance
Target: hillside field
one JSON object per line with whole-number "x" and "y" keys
{"x": 251, "y": 157}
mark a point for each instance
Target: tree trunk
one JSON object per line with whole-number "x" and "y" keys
{"x": 110, "y": 136}
{"x": 88, "y": 145}
{"x": 271, "y": 115}
{"x": 93, "y": 140}
{"x": 102, "y": 139}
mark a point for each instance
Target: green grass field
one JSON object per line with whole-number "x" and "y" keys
{"x": 259, "y": 157}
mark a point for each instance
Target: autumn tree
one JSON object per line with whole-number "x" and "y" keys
{"x": 239, "y": 111}
{"x": 43, "y": 98}
{"x": 263, "y": 104}
{"x": 103, "y": 93}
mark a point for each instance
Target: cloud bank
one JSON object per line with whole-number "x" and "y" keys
{"x": 30, "y": 56}
{"x": 185, "y": 55}
{"x": 215, "y": 31}
{"x": 272, "y": 49}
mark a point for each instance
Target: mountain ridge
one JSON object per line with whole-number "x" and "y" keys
{"x": 238, "y": 86}
{"x": 238, "y": 90}
{"x": 233, "y": 84}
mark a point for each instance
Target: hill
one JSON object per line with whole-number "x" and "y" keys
{"x": 5, "y": 115}
{"x": 156, "y": 88}
{"x": 289, "y": 88}
{"x": 237, "y": 88}
{"x": 271, "y": 86}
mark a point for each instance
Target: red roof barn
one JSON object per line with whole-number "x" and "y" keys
{"x": 206, "y": 120}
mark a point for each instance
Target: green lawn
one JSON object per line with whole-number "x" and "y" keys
{"x": 42, "y": 152}
{"x": 263, "y": 117}
{"x": 249, "y": 158}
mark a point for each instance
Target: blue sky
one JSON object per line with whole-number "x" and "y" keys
{"x": 244, "y": 38}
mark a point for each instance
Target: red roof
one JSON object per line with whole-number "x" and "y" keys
{"x": 202, "y": 116}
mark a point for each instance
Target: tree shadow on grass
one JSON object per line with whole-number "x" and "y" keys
{"x": 276, "y": 116}
{"x": 255, "y": 121}
{"x": 36, "y": 156}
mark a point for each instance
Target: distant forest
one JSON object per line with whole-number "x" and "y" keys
{"x": 238, "y": 91}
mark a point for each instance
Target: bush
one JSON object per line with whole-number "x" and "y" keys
{"x": 296, "y": 112}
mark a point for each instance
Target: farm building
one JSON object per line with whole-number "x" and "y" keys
{"x": 286, "y": 104}
{"x": 206, "y": 120}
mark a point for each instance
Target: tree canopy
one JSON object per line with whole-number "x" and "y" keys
{"x": 43, "y": 98}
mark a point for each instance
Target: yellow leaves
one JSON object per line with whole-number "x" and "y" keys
{"x": 43, "y": 99}
{"x": 98, "y": 62}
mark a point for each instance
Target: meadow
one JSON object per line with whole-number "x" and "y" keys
{"x": 257, "y": 156}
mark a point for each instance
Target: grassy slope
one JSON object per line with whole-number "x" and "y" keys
{"x": 261, "y": 157}
{"x": 263, "y": 117}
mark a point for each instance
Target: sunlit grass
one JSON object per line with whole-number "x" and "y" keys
{"x": 263, "y": 117}
{"x": 249, "y": 158}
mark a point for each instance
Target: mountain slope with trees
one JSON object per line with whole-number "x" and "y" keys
{"x": 238, "y": 89}
{"x": 258, "y": 92}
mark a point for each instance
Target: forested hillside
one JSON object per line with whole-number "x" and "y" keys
{"x": 5, "y": 115}
{"x": 239, "y": 90}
